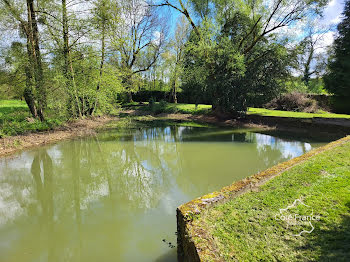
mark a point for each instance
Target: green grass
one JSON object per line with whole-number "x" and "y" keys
{"x": 268, "y": 112}
{"x": 246, "y": 229}
{"x": 205, "y": 109}
{"x": 171, "y": 108}
{"x": 14, "y": 116}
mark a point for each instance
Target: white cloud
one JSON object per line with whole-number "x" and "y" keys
{"x": 336, "y": 20}
{"x": 325, "y": 41}
{"x": 332, "y": 3}
{"x": 332, "y": 13}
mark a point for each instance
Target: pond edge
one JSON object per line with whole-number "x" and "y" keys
{"x": 190, "y": 250}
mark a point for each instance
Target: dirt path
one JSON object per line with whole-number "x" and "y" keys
{"x": 83, "y": 127}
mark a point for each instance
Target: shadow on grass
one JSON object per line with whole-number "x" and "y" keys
{"x": 334, "y": 242}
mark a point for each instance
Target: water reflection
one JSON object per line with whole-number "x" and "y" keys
{"x": 113, "y": 197}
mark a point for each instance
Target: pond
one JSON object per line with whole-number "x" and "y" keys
{"x": 113, "y": 196}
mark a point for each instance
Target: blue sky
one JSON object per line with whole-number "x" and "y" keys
{"x": 332, "y": 15}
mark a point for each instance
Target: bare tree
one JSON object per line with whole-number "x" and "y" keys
{"x": 311, "y": 61}
{"x": 181, "y": 7}
{"x": 138, "y": 39}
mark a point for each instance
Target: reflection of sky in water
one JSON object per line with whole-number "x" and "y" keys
{"x": 150, "y": 172}
{"x": 142, "y": 175}
{"x": 288, "y": 149}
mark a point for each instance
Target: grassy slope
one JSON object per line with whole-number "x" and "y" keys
{"x": 203, "y": 109}
{"x": 13, "y": 119}
{"x": 246, "y": 228}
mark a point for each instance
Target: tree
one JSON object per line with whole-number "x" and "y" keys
{"x": 236, "y": 58}
{"x": 106, "y": 13}
{"x": 311, "y": 62}
{"x": 13, "y": 77}
{"x": 35, "y": 93}
{"x": 178, "y": 50}
{"x": 337, "y": 80}
{"x": 138, "y": 39}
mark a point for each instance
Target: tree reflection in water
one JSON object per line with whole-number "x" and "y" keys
{"x": 112, "y": 197}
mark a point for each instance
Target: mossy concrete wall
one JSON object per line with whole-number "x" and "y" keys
{"x": 194, "y": 244}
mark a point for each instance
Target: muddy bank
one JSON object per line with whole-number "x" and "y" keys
{"x": 82, "y": 127}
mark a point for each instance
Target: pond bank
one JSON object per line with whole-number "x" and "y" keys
{"x": 88, "y": 126}
{"x": 83, "y": 127}
{"x": 332, "y": 127}
{"x": 238, "y": 222}
{"x": 328, "y": 129}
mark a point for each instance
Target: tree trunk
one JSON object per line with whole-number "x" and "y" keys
{"x": 173, "y": 92}
{"x": 28, "y": 97}
{"x": 28, "y": 90}
{"x": 130, "y": 100}
{"x": 36, "y": 56}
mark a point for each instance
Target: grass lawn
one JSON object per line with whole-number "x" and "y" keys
{"x": 268, "y": 112}
{"x": 171, "y": 108}
{"x": 260, "y": 226}
{"x": 204, "y": 109}
{"x": 14, "y": 115}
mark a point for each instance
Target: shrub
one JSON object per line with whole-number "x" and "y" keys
{"x": 294, "y": 102}
{"x": 163, "y": 104}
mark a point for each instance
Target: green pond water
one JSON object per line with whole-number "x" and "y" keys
{"x": 113, "y": 197}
